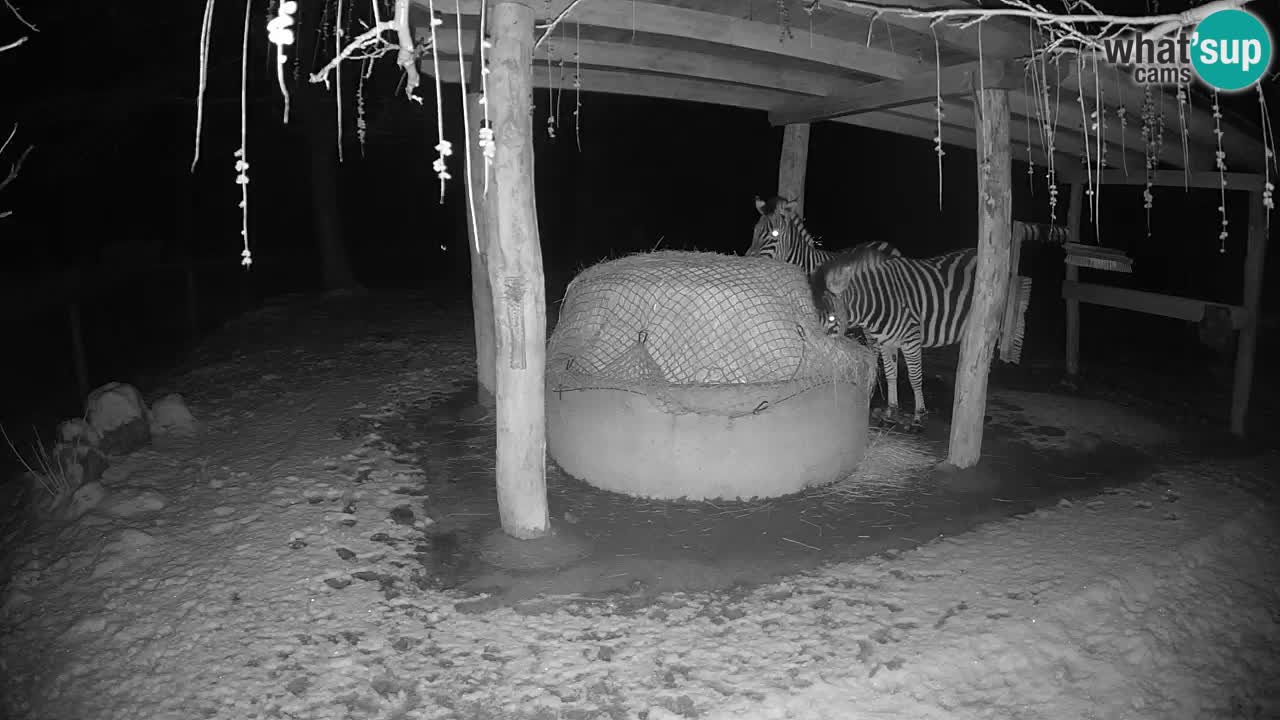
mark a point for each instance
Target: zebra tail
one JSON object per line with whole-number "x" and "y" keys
{"x": 1011, "y": 333}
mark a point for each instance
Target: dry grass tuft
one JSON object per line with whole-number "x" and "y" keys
{"x": 50, "y": 474}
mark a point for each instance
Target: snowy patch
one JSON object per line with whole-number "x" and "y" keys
{"x": 276, "y": 569}
{"x": 170, "y": 416}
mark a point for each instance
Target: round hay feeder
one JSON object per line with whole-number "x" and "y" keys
{"x": 702, "y": 376}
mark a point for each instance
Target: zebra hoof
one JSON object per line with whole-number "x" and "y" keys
{"x": 887, "y": 417}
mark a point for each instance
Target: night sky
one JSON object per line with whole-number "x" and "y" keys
{"x": 106, "y": 93}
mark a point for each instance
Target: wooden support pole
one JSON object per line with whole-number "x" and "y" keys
{"x": 1074, "y": 211}
{"x": 77, "y": 349}
{"x": 514, "y": 260}
{"x": 478, "y": 235}
{"x": 1254, "y": 260}
{"x": 991, "y": 281}
{"x": 794, "y": 164}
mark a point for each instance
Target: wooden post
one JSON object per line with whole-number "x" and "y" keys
{"x": 1074, "y": 212}
{"x": 77, "y": 349}
{"x": 478, "y": 234}
{"x": 793, "y": 164}
{"x": 514, "y": 261}
{"x": 1254, "y": 260}
{"x": 991, "y": 281}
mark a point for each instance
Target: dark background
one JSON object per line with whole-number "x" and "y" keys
{"x": 105, "y": 91}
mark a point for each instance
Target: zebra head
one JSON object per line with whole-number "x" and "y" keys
{"x": 779, "y": 232}
{"x": 833, "y": 281}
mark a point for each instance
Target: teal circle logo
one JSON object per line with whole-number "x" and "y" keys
{"x": 1231, "y": 49}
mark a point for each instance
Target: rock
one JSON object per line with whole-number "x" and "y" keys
{"x": 170, "y": 416}
{"x": 126, "y": 546}
{"x": 128, "y": 503}
{"x": 117, "y": 412}
{"x": 78, "y": 432}
{"x": 86, "y": 498}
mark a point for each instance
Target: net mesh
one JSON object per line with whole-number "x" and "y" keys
{"x": 694, "y": 319}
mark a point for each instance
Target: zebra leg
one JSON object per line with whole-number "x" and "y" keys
{"x": 915, "y": 373}
{"x": 889, "y": 358}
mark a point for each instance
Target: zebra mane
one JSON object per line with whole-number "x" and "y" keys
{"x": 802, "y": 229}
{"x": 818, "y": 288}
{"x": 834, "y": 277}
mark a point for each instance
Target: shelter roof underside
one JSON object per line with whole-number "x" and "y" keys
{"x": 751, "y": 54}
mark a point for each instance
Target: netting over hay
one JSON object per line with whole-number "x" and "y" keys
{"x": 685, "y": 318}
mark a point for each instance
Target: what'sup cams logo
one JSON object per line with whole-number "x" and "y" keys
{"x": 1228, "y": 50}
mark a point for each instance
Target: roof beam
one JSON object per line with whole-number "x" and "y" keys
{"x": 752, "y": 98}
{"x": 717, "y": 29}
{"x": 723, "y": 35}
{"x": 1006, "y": 38}
{"x": 627, "y": 56}
{"x": 742, "y": 72}
{"x": 955, "y": 81}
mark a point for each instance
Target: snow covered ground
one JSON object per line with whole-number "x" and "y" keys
{"x": 266, "y": 569}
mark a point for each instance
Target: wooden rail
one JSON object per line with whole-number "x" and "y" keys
{"x": 1244, "y": 318}
{"x": 1171, "y": 306}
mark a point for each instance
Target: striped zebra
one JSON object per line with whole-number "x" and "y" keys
{"x": 900, "y": 303}
{"x": 780, "y": 234}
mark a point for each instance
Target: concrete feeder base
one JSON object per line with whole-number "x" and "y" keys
{"x": 704, "y": 443}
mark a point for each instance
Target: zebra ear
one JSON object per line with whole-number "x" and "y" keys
{"x": 760, "y": 205}
{"x": 788, "y": 206}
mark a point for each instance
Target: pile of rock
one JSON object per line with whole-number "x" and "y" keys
{"x": 116, "y": 422}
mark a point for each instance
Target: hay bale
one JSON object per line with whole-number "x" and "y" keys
{"x": 680, "y": 318}
{"x": 681, "y": 374}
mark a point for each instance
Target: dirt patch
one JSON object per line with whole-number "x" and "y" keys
{"x": 1049, "y": 421}
{"x": 637, "y": 547}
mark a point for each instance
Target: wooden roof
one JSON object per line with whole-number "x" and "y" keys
{"x": 740, "y": 53}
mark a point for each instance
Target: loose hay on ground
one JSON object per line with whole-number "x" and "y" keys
{"x": 894, "y": 462}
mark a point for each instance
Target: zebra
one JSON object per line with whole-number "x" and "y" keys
{"x": 900, "y": 303}
{"x": 780, "y": 234}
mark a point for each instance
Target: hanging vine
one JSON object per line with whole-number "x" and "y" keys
{"x": 1062, "y": 34}
{"x": 1151, "y": 140}
{"x": 551, "y": 85}
{"x": 1220, "y": 160}
{"x": 444, "y": 147}
{"x": 485, "y": 134}
{"x": 1084, "y": 133}
{"x": 466, "y": 131}
{"x": 937, "y": 139}
{"x": 242, "y": 153}
{"x": 280, "y": 34}
{"x": 337, "y": 75}
{"x": 1269, "y": 155}
{"x": 1122, "y": 114}
{"x": 577, "y": 87}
